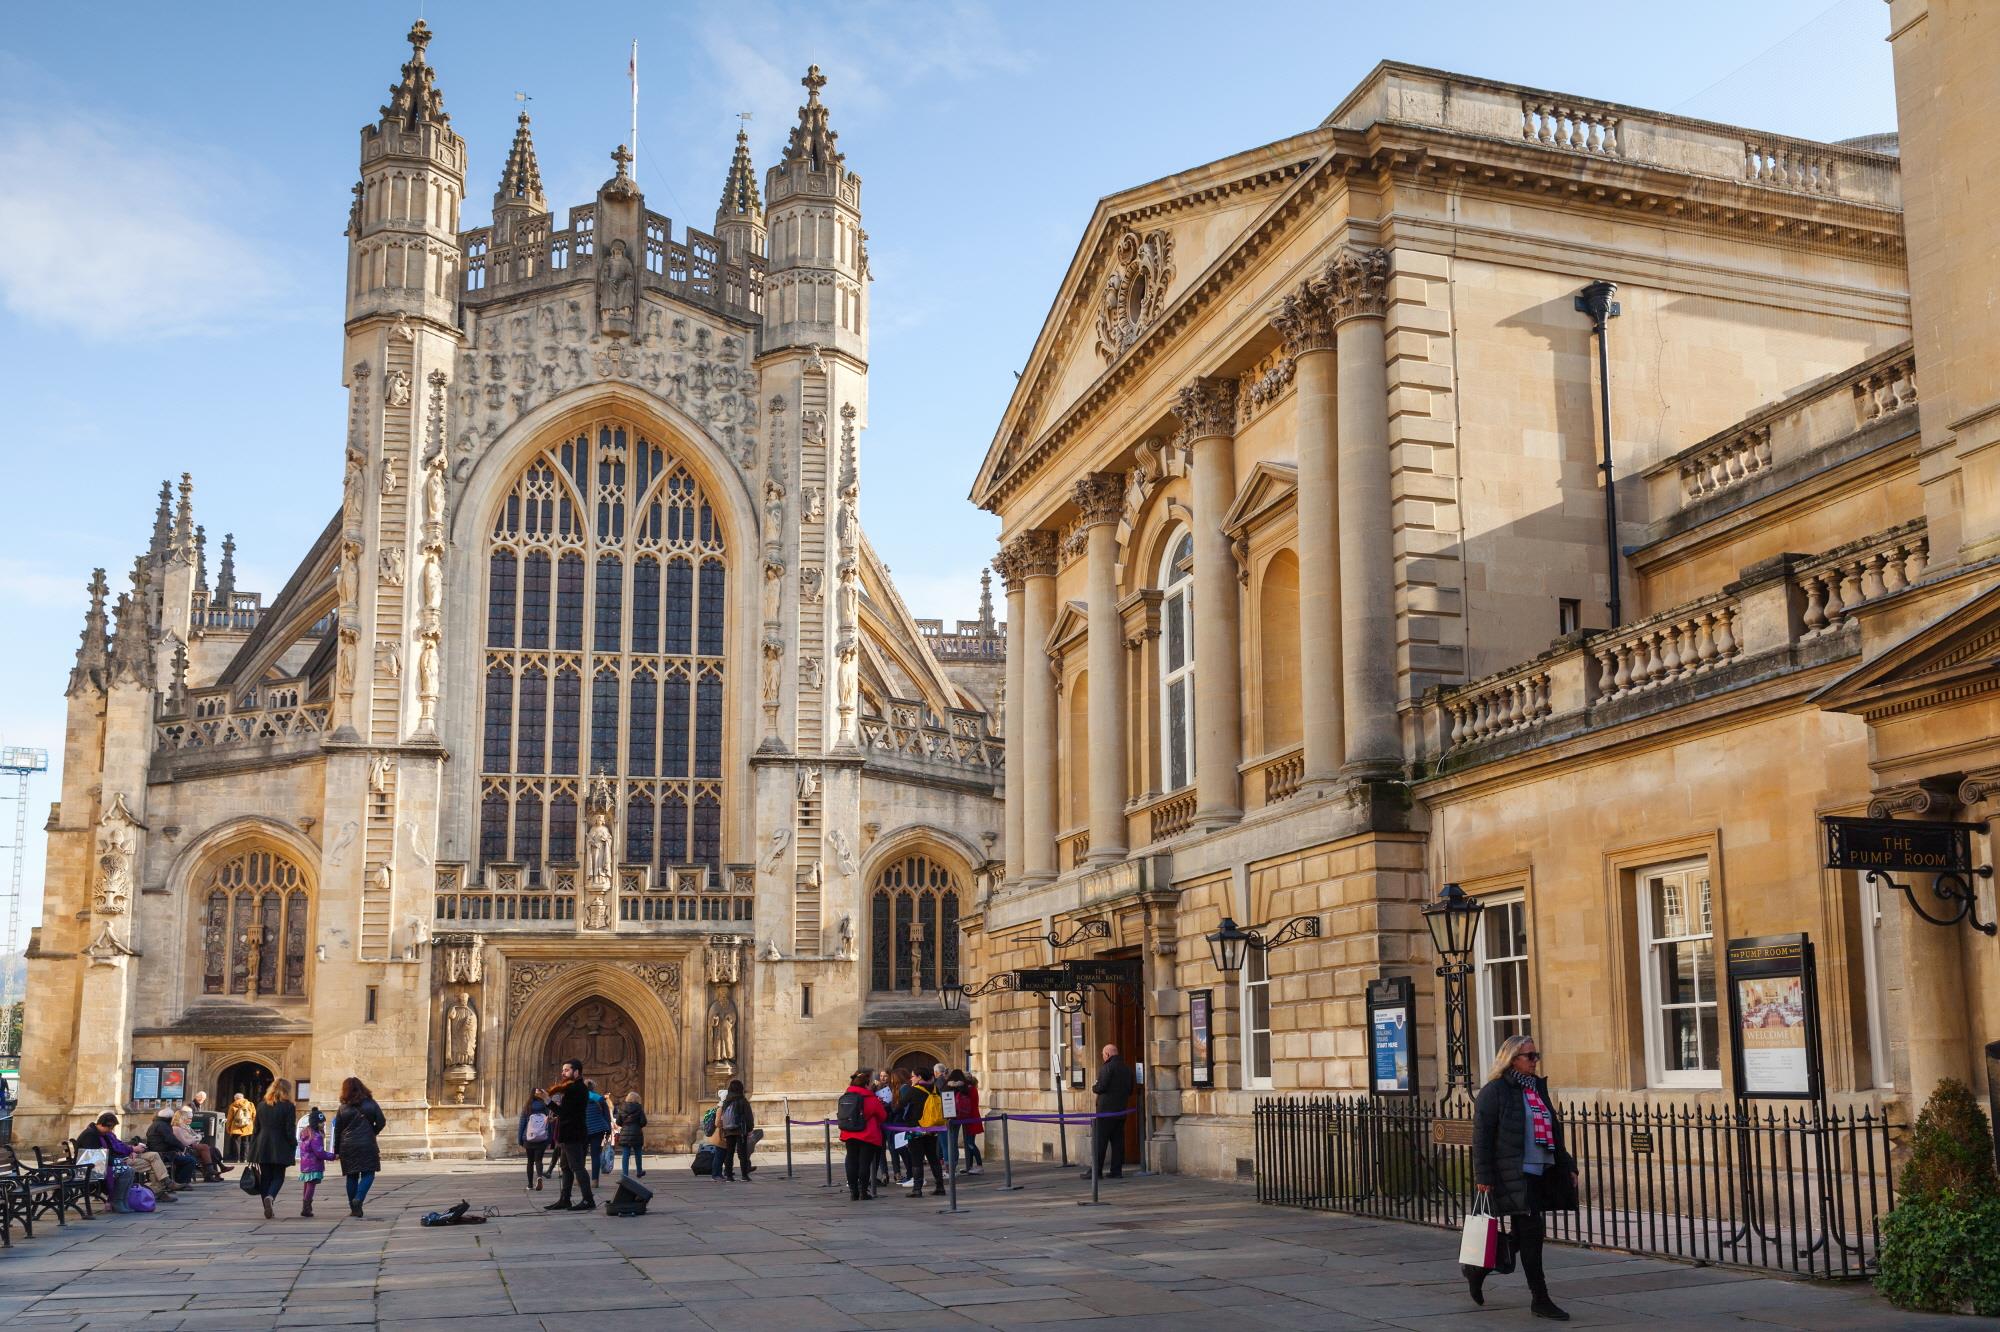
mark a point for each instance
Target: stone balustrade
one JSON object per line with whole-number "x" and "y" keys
{"x": 1852, "y": 406}
{"x": 1170, "y": 814}
{"x": 1683, "y": 642}
{"x": 1403, "y": 94}
{"x": 1073, "y": 848}
{"x": 958, "y": 742}
{"x": 1775, "y": 613}
{"x": 1279, "y": 775}
{"x": 1849, "y": 577}
{"x": 274, "y": 717}
{"x": 507, "y": 897}
{"x": 541, "y": 256}
{"x": 1499, "y": 705}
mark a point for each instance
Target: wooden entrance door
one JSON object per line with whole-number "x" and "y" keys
{"x": 604, "y": 1037}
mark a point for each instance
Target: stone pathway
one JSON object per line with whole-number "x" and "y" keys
{"x": 1164, "y": 1254}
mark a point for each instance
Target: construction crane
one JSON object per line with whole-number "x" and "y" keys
{"x": 17, "y": 764}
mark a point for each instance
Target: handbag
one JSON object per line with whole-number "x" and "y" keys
{"x": 1479, "y": 1241}
{"x": 252, "y": 1178}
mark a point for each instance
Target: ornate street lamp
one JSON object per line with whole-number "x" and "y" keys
{"x": 953, "y": 996}
{"x": 1454, "y": 924}
{"x": 1230, "y": 946}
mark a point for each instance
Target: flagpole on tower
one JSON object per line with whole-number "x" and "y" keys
{"x": 632, "y": 71}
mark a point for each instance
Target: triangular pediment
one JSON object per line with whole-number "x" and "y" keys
{"x": 1143, "y": 253}
{"x": 1956, "y": 655}
{"x": 1071, "y": 623}
{"x": 1270, "y": 488}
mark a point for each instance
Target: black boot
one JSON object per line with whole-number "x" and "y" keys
{"x": 1475, "y": 1281}
{"x": 1544, "y": 1307}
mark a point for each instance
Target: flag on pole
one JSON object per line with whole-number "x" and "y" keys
{"x": 632, "y": 73}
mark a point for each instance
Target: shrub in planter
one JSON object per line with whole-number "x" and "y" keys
{"x": 1939, "y": 1246}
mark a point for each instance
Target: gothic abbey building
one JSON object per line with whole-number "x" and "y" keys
{"x": 590, "y": 723}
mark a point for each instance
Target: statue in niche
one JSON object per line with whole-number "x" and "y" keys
{"x": 844, "y": 947}
{"x": 397, "y": 388}
{"x": 349, "y": 579}
{"x": 390, "y": 479}
{"x": 352, "y": 486}
{"x": 392, "y": 564}
{"x": 379, "y": 772}
{"x": 389, "y": 658}
{"x": 618, "y": 282}
{"x": 774, "y": 512}
{"x": 811, "y": 580}
{"x": 813, "y": 502}
{"x": 461, "y": 1034}
{"x": 774, "y": 665}
{"x": 434, "y": 490}
{"x": 808, "y": 783}
{"x": 847, "y": 683}
{"x": 722, "y": 1030}
{"x": 252, "y": 939}
{"x": 774, "y": 590}
{"x": 430, "y": 584}
{"x": 811, "y": 673}
{"x": 427, "y": 681}
{"x": 597, "y": 853}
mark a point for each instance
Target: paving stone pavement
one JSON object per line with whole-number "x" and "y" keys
{"x": 1163, "y": 1253}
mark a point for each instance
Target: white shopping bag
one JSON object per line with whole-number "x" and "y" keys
{"x": 1479, "y": 1244}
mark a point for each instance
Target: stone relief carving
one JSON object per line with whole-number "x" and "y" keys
{"x": 525, "y": 978}
{"x": 338, "y": 851}
{"x": 106, "y": 948}
{"x": 392, "y": 565}
{"x": 843, "y": 851}
{"x": 725, "y": 959}
{"x": 812, "y": 504}
{"x": 381, "y": 770}
{"x": 390, "y": 477}
{"x": 809, "y": 783}
{"x": 117, "y": 858}
{"x": 516, "y": 364}
{"x": 1135, "y": 292}
{"x": 396, "y": 388}
{"x": 663, "y": 979}
{"x": 389, "y": 658}
{"x": 844, "y": 944}
{"x": 811, "y": 673}
{"x": 812, "y": 581}
{"x": 459, "y": 959}
{"x": 774, "y": 851}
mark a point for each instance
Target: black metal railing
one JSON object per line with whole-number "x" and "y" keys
{"x": 1797, "y": 1189}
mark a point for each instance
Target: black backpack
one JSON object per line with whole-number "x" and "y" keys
{"x": 852, "y": 1116}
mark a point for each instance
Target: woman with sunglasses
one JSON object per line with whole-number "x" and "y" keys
{"x": 1520, "y": 1163}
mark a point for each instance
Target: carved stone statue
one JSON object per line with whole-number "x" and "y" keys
{"x": 430, "y": 584}
{"x": 390, "y": 478}
{"x": 349, "y": 581}
{"x": 618, "y": 290}
{"x": 774, "y": 590}
{"x": 434, "y": 490}
{"x": 808, "y": 783}
{"x": 461, "y": 1034}
{"x": 811, "y": 674}
{"x": 427, "y": 682}
{"x": 847, "y": 684}
{"x": 597, "y": 854}
{"x": 379, "y": 770}
{"x": 843, "y": 851}
{"x": 845, "y": 946}
{"x": 397, "y": 388}
{"x": 392, "y": 566}
{"x": 253, "y": 954}
{"x": 597, "y": 912}
{"x": 389, "y": 658}
{"x": 774, "y": 513}
{"x": 781, "y": 840}
{"x": 774, "y": 659}
{"x": 722, "y": 1031}
{"x": 353, "y": 486}
{"x": 116, "y": 855}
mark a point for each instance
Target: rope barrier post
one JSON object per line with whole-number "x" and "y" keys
{"x": 1094, "y": 1162}
{"x": 788, "y": 1145}
{"x": 826, "y": 1145}
{"x": 1007, "y": 1154}
{"x": 951, "y": 1148}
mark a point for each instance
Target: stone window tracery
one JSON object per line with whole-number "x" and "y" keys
{"x": 255, "y": 919}
{"x": 602, "y": 530}
{"x": 913, "y": 926}
{"x": 1176, "y": 701}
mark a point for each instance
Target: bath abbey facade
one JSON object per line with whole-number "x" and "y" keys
{"x": 589, "y": 724}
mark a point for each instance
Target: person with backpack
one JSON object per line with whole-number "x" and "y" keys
{"x": 275, "y": 1143}
{"x": 922, "y": 1107}
{"x": 596, "y": 1127}
{"x": 860, "y": 1114}
{"x": 533, "y": 1135}
{"x": 734, "y": 1121}
{"x": 631, "y": 1135}
{"x": 899, "y": 1142}
{"x": 242, "y": 1120}
{"x": 312, "y": 1158}
{"x": 879, "y": 1087}
{"x": 357, "y": 1126}
{"x": 965, "y": 1092}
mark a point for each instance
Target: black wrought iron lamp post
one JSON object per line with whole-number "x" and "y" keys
{"x": 1229, "y": 947}
{"x": 1454, "y": 924}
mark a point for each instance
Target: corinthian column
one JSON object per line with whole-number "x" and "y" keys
{"x": 1305, "y": 319}
{"x": 1032, "y": 558}
{"x": 1359, "y": 281}
{"x": 1207, "y": 409}
{"x": 1013, "y": 724}
{"x": 1100, "y": 497}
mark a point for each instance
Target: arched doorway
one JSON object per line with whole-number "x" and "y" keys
{"x": 602, "y": 1035}
{"x": 246, "y": 1076}
{"x": 917, "y": 1061}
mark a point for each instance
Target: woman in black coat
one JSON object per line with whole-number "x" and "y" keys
{"x": 274, "y": 1143}
{"x": 1520, "y": 1162}
{"x": 355, "y": 1126}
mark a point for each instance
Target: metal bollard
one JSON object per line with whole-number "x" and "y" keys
{"x": 788, "y": 1146}
{"x": 1007, "y": 1154}
{"x": 1090, "y": 1144}
{"x": 951, "y": 1148}
{"x": 826, "y": 1145}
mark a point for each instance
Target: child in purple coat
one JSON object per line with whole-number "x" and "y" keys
{"x": 312, "y": 1156}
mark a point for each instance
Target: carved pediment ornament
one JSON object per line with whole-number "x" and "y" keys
{"x": 1135, "y": 291}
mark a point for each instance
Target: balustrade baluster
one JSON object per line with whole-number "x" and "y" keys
{"x": 1871, "y": 575}
{"x": 1919, "y": 558}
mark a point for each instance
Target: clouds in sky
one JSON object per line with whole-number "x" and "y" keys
{"x": 118, "y": 228}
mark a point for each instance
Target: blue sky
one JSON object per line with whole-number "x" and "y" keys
{"x": 174, "y": 180}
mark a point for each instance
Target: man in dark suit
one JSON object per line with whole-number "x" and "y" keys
{"x": 1114, "y": 1093}
{"x": 572, "y": 1137}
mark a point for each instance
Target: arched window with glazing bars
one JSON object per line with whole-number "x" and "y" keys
{"x": 256, "y": 917}
{"x": 606, "y": 584}
{"x": 913, "y": 925}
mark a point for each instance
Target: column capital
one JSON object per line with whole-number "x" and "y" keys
{"x": 1029, "y": 555}
{"x": 1359, "y": 283}
{"x": 1207, "y": 408}
{"x": 1100, "y": 498}
{"x": 1305, "y": 317}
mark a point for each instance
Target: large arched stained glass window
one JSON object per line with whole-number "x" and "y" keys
{"x": 606, "y": 585}
{"x": 255, "y": 920}
{"x": 913, "y": 926}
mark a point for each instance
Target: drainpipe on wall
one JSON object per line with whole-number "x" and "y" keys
{"x": 1595, "y": 301}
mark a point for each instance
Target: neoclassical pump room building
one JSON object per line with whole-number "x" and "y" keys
{"x": 589, "y": 722}
{"x": 1309, "y": 594}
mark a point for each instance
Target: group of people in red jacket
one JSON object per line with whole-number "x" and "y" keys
{"x": 882, "y": 1117}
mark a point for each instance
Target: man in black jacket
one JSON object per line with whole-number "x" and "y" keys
{"x": 572, "y": 1104}
{"x": 1114, "y": 1093}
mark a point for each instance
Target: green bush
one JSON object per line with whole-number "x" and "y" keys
{"x": 1939, "y": 1245}
{"x": 1938, "y": 1255}
{"x": 1951, "y": 1150}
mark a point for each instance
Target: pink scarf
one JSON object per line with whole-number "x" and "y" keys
{"x": 1540, "y": 1123}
